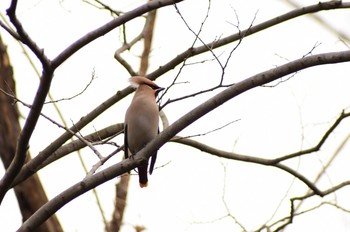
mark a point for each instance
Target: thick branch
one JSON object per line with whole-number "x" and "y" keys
{"x": 241, "y": 87}
{"x": 34, "y": 163}
{"x": 30, "y": 194}
{"x": 257, "y": 80}
{"x": 25, "y": 134}
{"x": 75, "y": 145}
{"x": 86, "y": 39}
{"x": 165, "y": 68}
{"x": 34, "y": 113}
{"x": 76, "y": 190}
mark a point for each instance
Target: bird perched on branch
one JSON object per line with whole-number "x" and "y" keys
{"x": 142, "y": 122}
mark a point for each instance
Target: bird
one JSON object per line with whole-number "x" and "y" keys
{"x": 141, "y": 123}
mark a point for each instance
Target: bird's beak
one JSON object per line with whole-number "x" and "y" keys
{"x": 159, "y": 90}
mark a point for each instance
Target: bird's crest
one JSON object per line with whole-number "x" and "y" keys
{"x": 136, "y": 81}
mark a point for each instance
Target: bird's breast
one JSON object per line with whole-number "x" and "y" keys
{"x": 142, "y": 126}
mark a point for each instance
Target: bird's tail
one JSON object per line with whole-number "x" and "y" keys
{"x": 143, "y": 179}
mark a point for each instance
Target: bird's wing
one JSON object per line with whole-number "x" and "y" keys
{"x": 126, "y": 146}
{"x": 153, "y": 160}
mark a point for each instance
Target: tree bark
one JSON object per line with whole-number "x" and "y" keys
{"x": 120, "y": 203}
{"x": 30, "y": 193}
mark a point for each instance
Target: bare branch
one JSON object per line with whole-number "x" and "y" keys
{"x": 171, "y": 64}
{"x": 270, "y": 162}
{"x": 327, "y": 164}
{"x": 69, "y": 148}
{"x": 191, "y": 52}
{"x": 42, "y": 91}
{"x": 286, "y": 219}
{"x": 81, "y": 138}
{"x": 45, "y": 83}
{"x": 75, "y": 95}
{"x": 342, "y": 116}
{"x": 25, "y": 38}
{"x": 125, "y": 64}
{"x": 207, "y": 132}
{"x": 322, "y": 22}
{"x": 103, "y": 160}
{"x": 126, "y": 165}
{"x": 249, "y": 159}
{"x": 247, "y": 32}
{"x": 76, "y": 190}
{"x": 229, "y": 214}
{"x": 44, "y": 154}
{"x": 147, "y": 35}
{"x": 290, "y": 219}
{"x": 25, "y": 134}
{"x": 8, "y": 29}
{"x": 91, "y": 36}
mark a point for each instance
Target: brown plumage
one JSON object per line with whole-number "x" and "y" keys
{"x": 141, "y": 122}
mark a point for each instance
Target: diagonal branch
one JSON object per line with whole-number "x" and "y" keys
{"x": 91, "y": 36}
{"x": 257, "y": 80}
{"x": 165, "y": 68}
{"x": 67, "y": 149}
{"x": 45, "y": 81}
{"x": 247, "y": 84}
{"x": 254, "y": 159}
{"x": 247, "y": 32}
{"x": 268, "y": 162}
{"x": 105, "y": 105}
{"x": 29, "y": 168}
{"x": 342, "y": 116}
{"x": 76, "y": 190}
{"x": 245, "y": 158}
{"x": 28, "y": 128}
{"x": 25, "y": 38}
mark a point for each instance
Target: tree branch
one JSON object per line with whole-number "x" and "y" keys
{"x": 290, "y": 218}
{"x": 268, "y": 162}
{"x": 170, "y": 65}
{"x": 247, "y": 32}
{"x": 109, "y": 102}
{"x": 25, "y": 38}
{"x": 126, "y": 165}
{"x": 342, "y": 116}
{"x": 76, "y": 190}
{"x": 102, "y": 134}
{"x": 28, "y": 128}
{"x": 91, "y": 36}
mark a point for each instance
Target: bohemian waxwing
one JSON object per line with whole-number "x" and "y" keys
{"x": 142, "y": 122}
